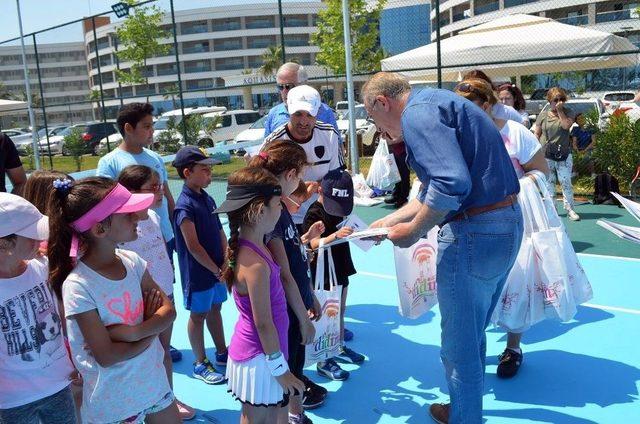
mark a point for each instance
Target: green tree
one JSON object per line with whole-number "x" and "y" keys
{"x": 271, "y": 60}
{"x": 94, "y": 96}
{"x": 75, "y": 146}
{"x": 139, "y": 35}
{"x": 209, "y": 126}
{"x": 4, "y": 92}
{"x": 170, "y": 93}
{"x": 169, "y": 139}
{"x": 365, "y": 50}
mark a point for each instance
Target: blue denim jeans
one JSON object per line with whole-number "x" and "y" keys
{"x": 55, "y": 409}
{"x": 474, "y": 258}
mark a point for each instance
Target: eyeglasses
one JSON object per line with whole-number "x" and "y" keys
{"x": 558, "y": 99}
{"x": 465, "y": 87}
{"x": 153, "y": 189}
{"x": 282, "y": 87}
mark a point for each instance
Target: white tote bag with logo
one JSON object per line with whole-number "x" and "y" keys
{"x": 327, "y": 341}
{"x": 416, "y": 275}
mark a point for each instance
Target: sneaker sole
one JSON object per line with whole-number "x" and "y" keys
{"x": 346, "y": 360}
{"x": 313, "y": 406}
{"x": 199, "y": 377}
{"x": 330, "y": 376}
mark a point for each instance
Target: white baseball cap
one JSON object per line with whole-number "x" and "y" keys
{"x": 17, "y": 216}
{"x": 303, "y": 98}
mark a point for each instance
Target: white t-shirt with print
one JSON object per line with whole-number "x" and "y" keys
{"x": 34, "y": 362}
{"x": 129, "y": 387}
{"x": 521, "y": 144}
{"x": 151, "y": 247}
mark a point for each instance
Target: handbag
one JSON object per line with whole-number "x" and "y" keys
{"x": 383, "y": 173}
{"x": 554, "y": 151}
{"x": 326, "y": 343}
{"x": 416, "y": 275}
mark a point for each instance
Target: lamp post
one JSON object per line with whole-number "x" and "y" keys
{"x": 121, "y": 9}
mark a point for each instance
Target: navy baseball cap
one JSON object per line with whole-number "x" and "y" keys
{"x": 337, "y": 191}
{"x": 192, "y": 154}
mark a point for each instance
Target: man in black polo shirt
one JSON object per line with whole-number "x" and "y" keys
{"x": 10, "y": 164}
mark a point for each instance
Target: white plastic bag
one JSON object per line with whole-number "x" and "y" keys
{"x": 416, "y": 275}
{"x": 360, "y": 187}
{"x": 383, "y": 173}
{"x": 327, "y": 341}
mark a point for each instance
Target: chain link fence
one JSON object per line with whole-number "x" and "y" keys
{"x": 227, "y": 56}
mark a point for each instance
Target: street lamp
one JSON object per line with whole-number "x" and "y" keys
{"x": 121, "y": 9}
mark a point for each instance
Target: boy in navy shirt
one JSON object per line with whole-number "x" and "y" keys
{"x": 201, "y": 244}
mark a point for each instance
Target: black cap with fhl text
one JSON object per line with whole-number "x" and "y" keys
{"x": 337, "y": 192}
{"x": 192, "y": 154}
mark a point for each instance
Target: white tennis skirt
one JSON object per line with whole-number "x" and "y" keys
{"x": 251, "y": 382}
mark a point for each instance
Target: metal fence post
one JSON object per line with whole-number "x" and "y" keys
{"x": 438, "y": 51}
{"x": 44, "y": 109}
{"x": 284, "y": 56}
{"x": 175, "y": 46}
{"x": 95, "y": 44}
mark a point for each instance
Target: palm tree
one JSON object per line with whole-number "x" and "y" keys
{"x": 4, "y": 92}
{"x": 271, "y": 60}
{"x": 94, "y": 96}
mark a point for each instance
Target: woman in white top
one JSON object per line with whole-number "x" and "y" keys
{"x": 526, "y": 155}
{"x": 510, "y": 95}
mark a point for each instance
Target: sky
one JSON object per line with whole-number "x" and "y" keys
{"x": 41, "y": 14}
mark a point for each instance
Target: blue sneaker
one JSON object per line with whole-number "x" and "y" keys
{"x": 332, "y": 370}
{"x": 176, "y": 355}
{"x": 348, "y": 335}
{"x": 349, "y": 356}
{"x": 207, "y": 373}
{"x": 221, "y": 358}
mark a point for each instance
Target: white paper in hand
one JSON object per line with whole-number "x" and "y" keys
{"x": 358, "y": 225}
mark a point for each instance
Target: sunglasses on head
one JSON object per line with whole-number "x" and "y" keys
{"x": 465, "y": 87}
{"x": 285, "y": 86}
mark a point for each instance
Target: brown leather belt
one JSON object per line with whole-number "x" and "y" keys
{"x": 511, "y": 199}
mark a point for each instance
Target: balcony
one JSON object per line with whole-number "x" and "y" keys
{"x": 575, "y": 20}
{"x": 230, "y": 25}
{"x": 616, "y": 15}
{"x": 460, "y": 16}
{"x": 260, "y": 44}
{"x": 489, "y": 7}
{"x": 290, "y": 21}
{"x": 295, "y": 42}
{"x": 172, "y": 70}
{"x": 198, "y": 28}
{"x": 194, "y": 69}
{"x": 512, "y": 3}
{"x": 226, "y": 46}
{"x": 260, "y": 23}
{"x": 198, "y": 48}
{"x": 228, "y": 66}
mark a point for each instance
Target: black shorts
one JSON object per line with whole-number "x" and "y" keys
{"x": 342, "y": 283}
{"x": 296, "y": 348}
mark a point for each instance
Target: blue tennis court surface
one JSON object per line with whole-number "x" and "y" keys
{"x": 584, "y": 371}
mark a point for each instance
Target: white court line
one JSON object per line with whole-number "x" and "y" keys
{"x": 622, "y": 258}
{"x": 589, "y": 305}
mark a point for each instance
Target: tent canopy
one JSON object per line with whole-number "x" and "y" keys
{"x": 516, "y": 38}
{"x": 10, "y": 106}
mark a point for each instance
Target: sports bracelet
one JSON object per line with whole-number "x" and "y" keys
{"x": 278, "y": 365}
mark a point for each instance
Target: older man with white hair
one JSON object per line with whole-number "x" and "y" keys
{"x": 288, "y": 76}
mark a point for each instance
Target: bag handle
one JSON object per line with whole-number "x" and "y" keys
{"x": 333, "y": 279}
{"x": 319, "y": 280}
{"x": 384, "y": 147}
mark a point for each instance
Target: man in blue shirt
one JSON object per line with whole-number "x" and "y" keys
{"x": 288, "y": 76}
{"x": 469, "y": 188}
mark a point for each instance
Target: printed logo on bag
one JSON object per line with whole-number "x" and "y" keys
{"x": 425, "y": 285}
{"x": 331, "y": 308}
{"x": 508, "y": 300}
{"x": 327, "y": 342}
{"x": 550, "y": 292}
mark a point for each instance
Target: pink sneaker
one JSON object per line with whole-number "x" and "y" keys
{"x": 186, "y": 412}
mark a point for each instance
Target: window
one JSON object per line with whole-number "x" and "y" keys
{"x": 229, "y": 64}
{"x": 260, "y": 42}
{"x": 225, "y": 24}
{"x": 194, "y": 27}
{"x": 166, "y": 69}
{"x": 295, "y": 40}
{"x": 199, "y": 84}
{"x": 227, "y": 44}
{"x": 296, "y": 21}
{"x": 247, "y": 118}
{"x": 195, "y": 47}
{"x": 255, "y": 22}
{"x": 197, "y": 66}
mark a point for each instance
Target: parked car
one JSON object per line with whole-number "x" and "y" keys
{"x": 232, "y": 123}
{"x": 92, "y": 133}
{"x": 365, "y": 127}
{"x": 343, "y": 107}
{"x": 538, "y": 100}
{"x": 584, "y": 106}
{"x": 14, "y": 132}
{"x": 251, "y": 138}
{"x": 613, "y": 99}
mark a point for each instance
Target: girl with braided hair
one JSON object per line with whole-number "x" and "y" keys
{"x": 257, "y": 370}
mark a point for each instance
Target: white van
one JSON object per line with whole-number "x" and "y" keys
{"x": 232, "y": 123}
